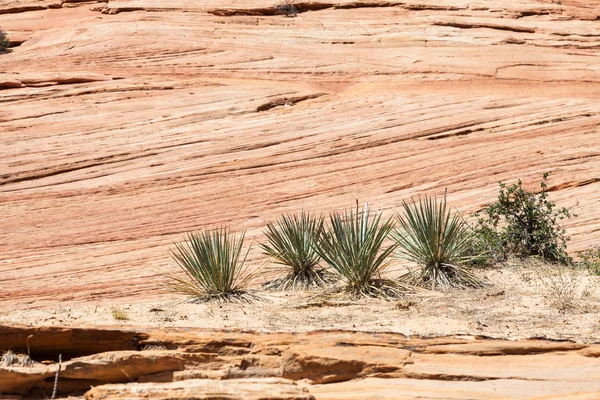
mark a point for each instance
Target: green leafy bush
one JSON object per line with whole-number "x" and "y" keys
{"x": 487, "y": 248}
{"x": 213, "y": 264}
{"x": 291, "y": 243}
{"x": 353, "y": 246}
{"x": 3, "y": 41}
{"x": 590, "y": 260}
{"x": 524, "y": 223}
{"x": 436, "y": 239}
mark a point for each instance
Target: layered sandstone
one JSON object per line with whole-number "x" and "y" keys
{"x": 319, "y": 365}
{"x": 126, "y": 124}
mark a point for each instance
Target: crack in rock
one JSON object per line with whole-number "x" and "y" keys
{"x": 287, "y": 101}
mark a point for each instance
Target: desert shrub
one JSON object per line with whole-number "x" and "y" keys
{"x": 287, "y": 8}
{"x": 558, "y": 286}
{"x": 291, "y": 243}
{"x": 562, "y": 287}
{"x": 3, "y": 41}
{"x": 590, "y": 260}
{"x": 524, "y": 223}
{"x": 438, "y": 241}
{"x": 119, "y": 314}
{"x": 9, "y": 359}
{"x": 486, "y": 246}
{"x": 213, "y": 264}
{"x": 353, "y": 246}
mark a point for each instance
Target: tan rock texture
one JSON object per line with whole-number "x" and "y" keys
{"x": 125, "y": 124}
{"x": 246, "y": 389}
{"x": 317, "y": 365}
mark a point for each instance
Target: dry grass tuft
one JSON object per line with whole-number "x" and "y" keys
{"x": 21, "y": 360}
{"x": 4, "y": 42}
{"x": 563, "y": 287}
{"x": 119, "y": 314}
{"x": 287, "y": 8}
{"x": 404, "y": 304}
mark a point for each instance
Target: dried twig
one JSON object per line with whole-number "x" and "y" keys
{"x": 56, "y": 377}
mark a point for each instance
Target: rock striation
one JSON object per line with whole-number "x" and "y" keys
{"x": 127, "y": 123}
{"x": 327, "y": 365}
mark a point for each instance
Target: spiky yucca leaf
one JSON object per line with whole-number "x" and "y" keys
{"x": 213, "y": 265}
{"x": 353, "y": 247}
{"x": 291, "y": 243}
{"x": 436, "y": 239}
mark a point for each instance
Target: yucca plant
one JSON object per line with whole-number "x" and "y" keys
{"x": 214, "y": 266}
{"x": 438, "y": 240}
{"x": 353, "y": 246}
{"x": 291, "y": 243}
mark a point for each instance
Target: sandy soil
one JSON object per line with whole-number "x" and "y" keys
{"x": 520, "y": 300}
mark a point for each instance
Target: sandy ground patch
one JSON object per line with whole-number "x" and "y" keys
{"x": 519, "y": 301}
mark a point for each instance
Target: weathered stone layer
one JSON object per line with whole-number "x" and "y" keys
{"x": 326, "y": 365}
{"x": 123, "y": 130}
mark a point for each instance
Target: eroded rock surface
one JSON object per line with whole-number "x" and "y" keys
{"x": 127, "y": 123}
{"x": 326, "y": 365}
{"x": 246, "y": 389}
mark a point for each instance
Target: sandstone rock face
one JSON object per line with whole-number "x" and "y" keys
{"x": 323, "y": 365}
{"x": 125, "y": 124}
{"x": 46, "y": 341}
{"x": 246, "y": 389}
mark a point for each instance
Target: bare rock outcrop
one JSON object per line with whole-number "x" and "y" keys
{"x": 326, "y": 365}
{"x": 203, "y": 389}
{"x": 127, "y": 123}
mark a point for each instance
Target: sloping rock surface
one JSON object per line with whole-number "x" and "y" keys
{"x": 318, "y": 365}
{"x": 127, "y": 123}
